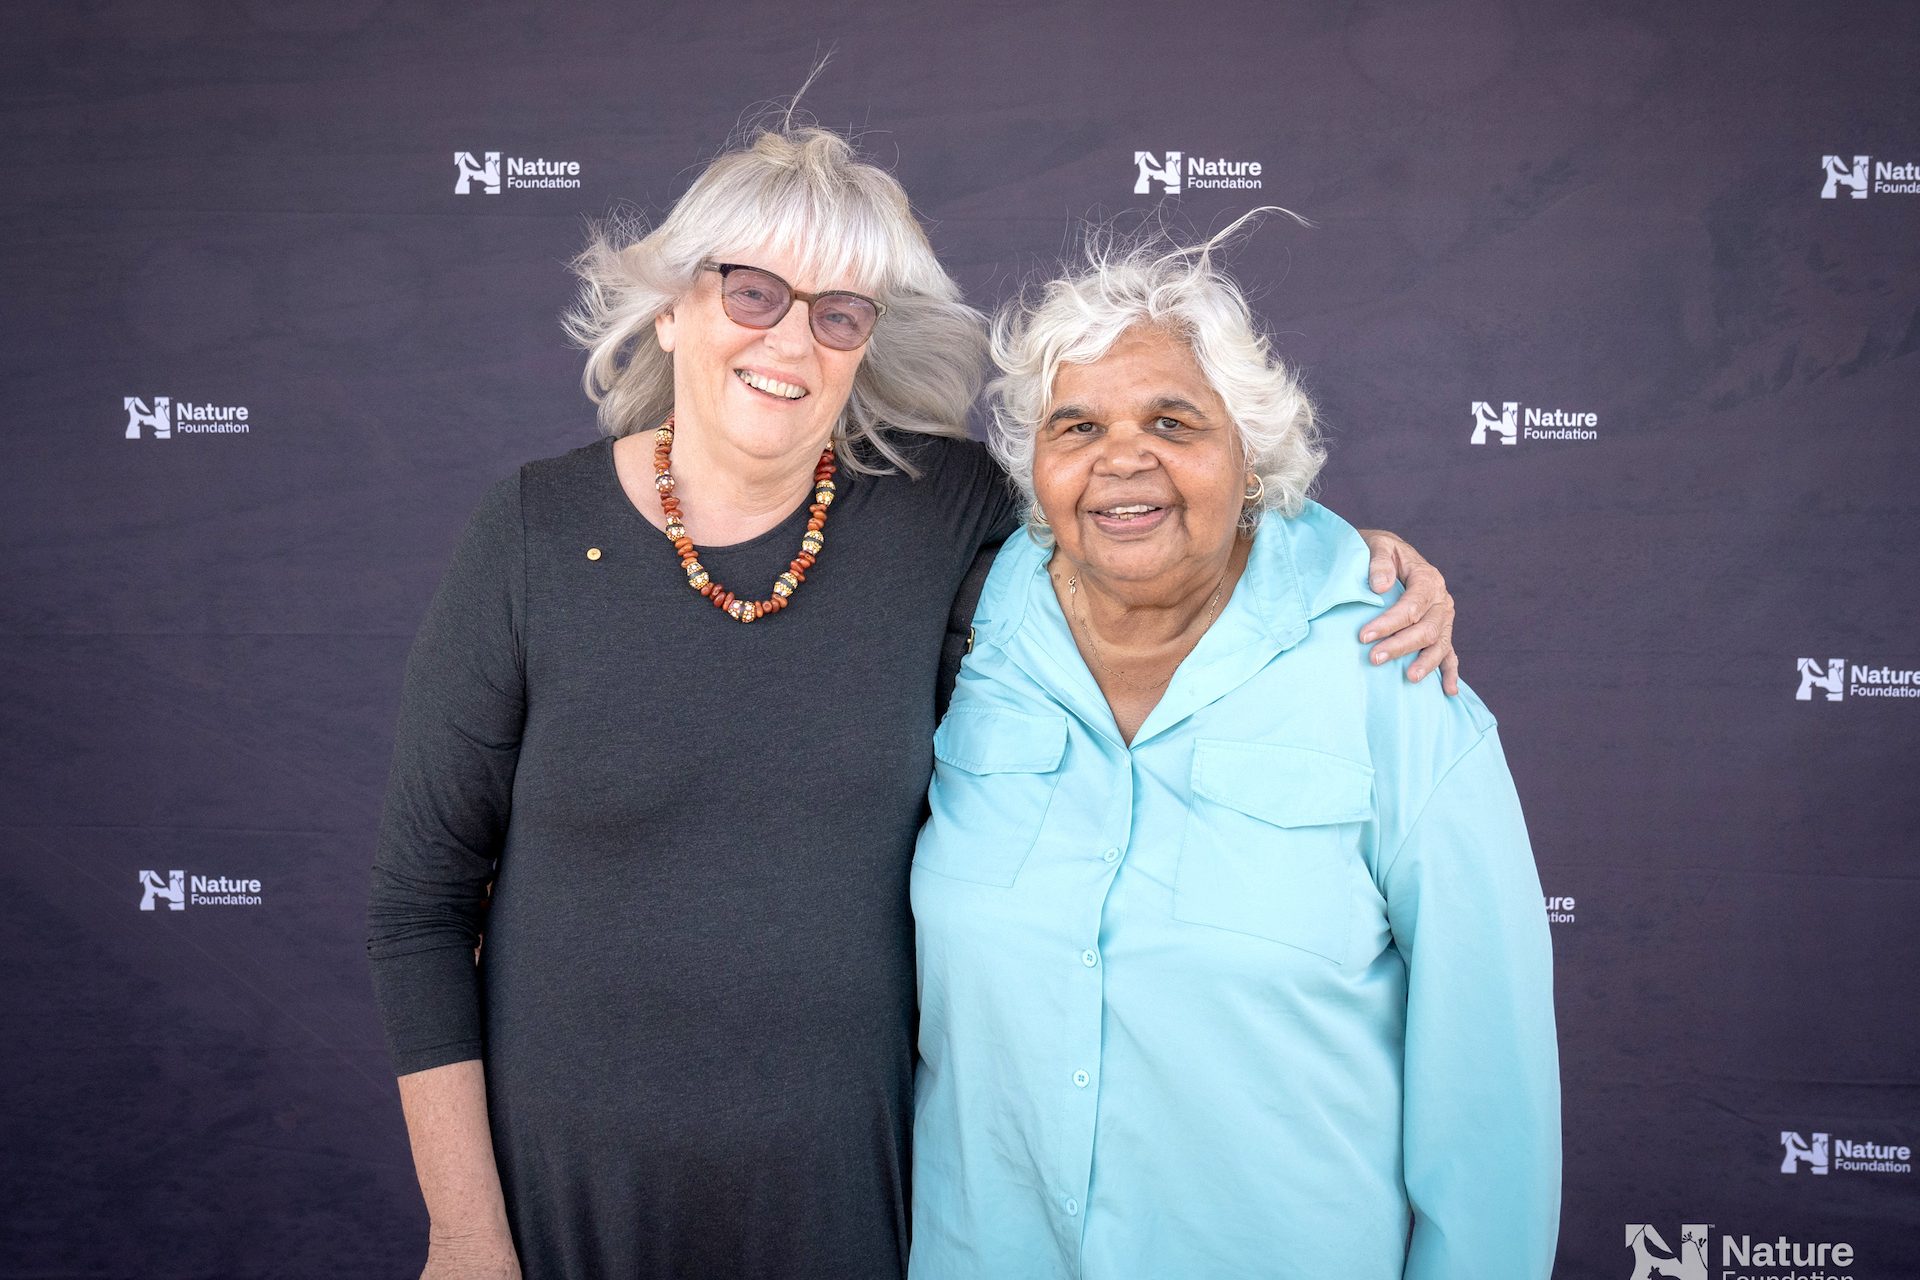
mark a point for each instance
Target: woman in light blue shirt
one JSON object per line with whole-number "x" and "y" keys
{"x": 1231, "y": 955}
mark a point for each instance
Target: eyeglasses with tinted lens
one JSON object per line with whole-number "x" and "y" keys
{"x": 760, "y": 300}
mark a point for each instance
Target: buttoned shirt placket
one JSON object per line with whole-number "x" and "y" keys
{"x": 1225, "y": 659}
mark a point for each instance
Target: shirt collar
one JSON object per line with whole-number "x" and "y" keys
{"x": 1300, "y": 567}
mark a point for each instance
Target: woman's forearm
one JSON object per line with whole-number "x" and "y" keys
{"x": 446, "y": 1110}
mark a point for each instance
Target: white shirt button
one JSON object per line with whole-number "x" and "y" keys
{"x": 1089, "y": 957}
{"x": 1111, "y": 855}
{"x": 1072, "y": 1207}
{"x": 1081, "y": 1079}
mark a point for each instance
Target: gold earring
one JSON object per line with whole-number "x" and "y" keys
{"x": 1256, "y": 488}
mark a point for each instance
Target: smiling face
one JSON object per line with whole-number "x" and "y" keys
{"x": 1138, "y": 468}
{"x": 765, "y": 394}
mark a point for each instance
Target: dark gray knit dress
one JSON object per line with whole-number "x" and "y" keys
{"x": 695, "y": 997}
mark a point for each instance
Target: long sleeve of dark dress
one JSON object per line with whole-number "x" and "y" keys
{"x": 462, "y": 710}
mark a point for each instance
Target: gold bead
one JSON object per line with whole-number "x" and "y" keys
{"x": 810, "y": 543}
{"x": 823, "y": 493}
{"x": 663, "y": 481}
{"x": 696, "y": 576}
{"x": 593, "y": 553}
{"x": 663, "y": 434}
{"x": 676, "y": 530}
{"x": 785, "y": 585}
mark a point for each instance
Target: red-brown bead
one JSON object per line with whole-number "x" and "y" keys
{"x": 722, "y": 599}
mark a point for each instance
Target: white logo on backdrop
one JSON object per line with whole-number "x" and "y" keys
{"x": 1864, "y": 174}
{"x": 171, "y": 416}
{"x": 172, "y": 891}
{"x": 1184, "y": 171}
{"x": 1514, "y": 423}
{"x": 1560, "y": 909}
{"x": 471, "y": 170}
{"x": 1153, "y": 170}
{"x": 1840, "y": 174}
{"x": 1833, "y": 679}
{"x": 179, "y": 888}
{"x": 138, "y": 415}
{"x": 1800, "y": 1151}
{"x": 1784, "y": 1257}
{"x": 1505, "y": 424}
{"x": 1818, "y": 1153}
{"x": 1653, "y": 1259}
{"x": 1839, "y": 679}
{"x": 511, "y": 173}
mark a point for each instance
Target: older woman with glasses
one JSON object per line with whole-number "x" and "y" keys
{"x": 1232, "y": 961}
{"x": 664, "y": 739}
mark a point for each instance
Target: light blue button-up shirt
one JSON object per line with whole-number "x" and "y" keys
{"x": 1266, "y": 993}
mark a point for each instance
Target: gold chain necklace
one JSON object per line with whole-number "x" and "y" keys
{"x": 1213, "y": 605}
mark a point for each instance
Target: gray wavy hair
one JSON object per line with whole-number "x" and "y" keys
{"x": 850, "y": 223}
{"x": 1151, "y": 279}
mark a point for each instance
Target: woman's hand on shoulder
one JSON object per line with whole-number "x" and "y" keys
{"x": 489, "y": 1257}
{"x": 1422, "y": 618}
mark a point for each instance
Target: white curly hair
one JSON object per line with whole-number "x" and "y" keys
{"x": 1151, "y": 279}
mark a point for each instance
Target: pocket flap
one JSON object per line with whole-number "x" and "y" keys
{"x": 998, "y": 740}
{"x": 1287, "y": 786}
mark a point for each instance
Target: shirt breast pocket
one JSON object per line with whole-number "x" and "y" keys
{"x": 1272, "y": 844}
{"x": 994, "y": 778}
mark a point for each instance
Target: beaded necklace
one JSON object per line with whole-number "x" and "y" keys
{"x": 697, "y": 577}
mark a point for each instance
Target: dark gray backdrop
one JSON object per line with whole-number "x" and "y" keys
{"x": 1613, "y": 209}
